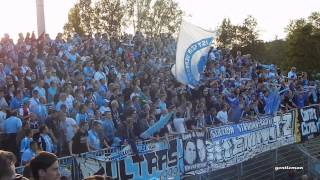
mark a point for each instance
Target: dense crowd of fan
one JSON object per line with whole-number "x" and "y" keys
{"x": 86, "y": 93}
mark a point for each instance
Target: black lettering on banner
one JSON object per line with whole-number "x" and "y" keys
{"x": 151, "y": 161}
{"x": 137, "y": 161}
{"x": 172, "y": 154}
{"x": 122, "y": 169}
{"x": 162, "y": 158}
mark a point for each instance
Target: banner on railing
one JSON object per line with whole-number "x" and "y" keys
{"x": 143, "y": 148}
{"x": 199, "y": 152}
{"x": 158, "y": 164}
{"x": 194, "y": 150}
{"x": 233, "y": 144}
{"x": 309, "y": 122}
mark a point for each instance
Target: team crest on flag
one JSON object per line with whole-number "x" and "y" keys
{"x": 192, "y": 53}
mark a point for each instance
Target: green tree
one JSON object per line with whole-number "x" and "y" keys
{"x": 151, "y": 17}
{"x": 158, "y": 16}
{"x": 303, "y": 41}
{"x": 74, "y": 22}
{"x": 247, "y": 33}
{"x": 244, "y": 37}
{"x": 109, "y": 16}
{"x": 275, "y": 53}
{"x": 226, "y": 34}
{"x": 80, "y": 18}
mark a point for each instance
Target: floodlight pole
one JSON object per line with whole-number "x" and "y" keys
{"x": 40, "y": 17}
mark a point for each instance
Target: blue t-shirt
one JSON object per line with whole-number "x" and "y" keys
{"x": 108, "y": 129}
{"x": 27, "y": 155}
{"x": 93, "y": 140}
{"x": 15, "y": 103}
{"x": 81, "y": 117}
{"x": 25, "y": 144}
{"x": 12, "y": 125}
{"x": 299, "y": 100}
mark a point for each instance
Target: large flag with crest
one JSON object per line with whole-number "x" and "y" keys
{"x": 192, "y": 52}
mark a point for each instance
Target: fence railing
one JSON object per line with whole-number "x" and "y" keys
{"x": 221, "y": 147}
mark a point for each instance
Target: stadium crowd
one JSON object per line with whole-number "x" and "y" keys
{"x": 85, "y": 93}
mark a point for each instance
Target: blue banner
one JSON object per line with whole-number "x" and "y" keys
{"x": 233, "y": 144}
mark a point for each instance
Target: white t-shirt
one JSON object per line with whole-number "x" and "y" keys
{"x": 223, "y": 116}
{"x": 179, "y": 125}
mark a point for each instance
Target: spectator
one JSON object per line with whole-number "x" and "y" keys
{"x": 69, "y": 128}
{"x": 45, "y": 140}
{"x": 12, "y": 125}
{"x": 45, "y": 166}
{"x": 178, "y": 123}
{"x": 29, "y": 153}
{"x": 79, "y": 143}
{"x": 109, "y": 128}
{"x": 7, "y": 161}
{"x": 292, "y": 73}
{"x": 94, "y": 140}
{"x": 82, "y": 114}
{"x": 25, "y": 142}
{"x": 223, "y": 114}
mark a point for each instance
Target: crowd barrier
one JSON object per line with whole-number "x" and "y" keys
{"x": 200, "y": 151}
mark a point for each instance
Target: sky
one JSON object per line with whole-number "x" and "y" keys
{"x": 272, "y": 15}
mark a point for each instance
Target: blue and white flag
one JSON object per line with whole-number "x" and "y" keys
{"x": 156, "y": 126}
{"x": 192, "y": 53}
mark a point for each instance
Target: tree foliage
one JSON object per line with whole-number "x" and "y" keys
{"x": 301, "y": 47}
{"x": 151, "y": 17}
{"x": 303, "y": 43}
{"x": 242, "y": 37}
{"x": 159, "y": 16}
